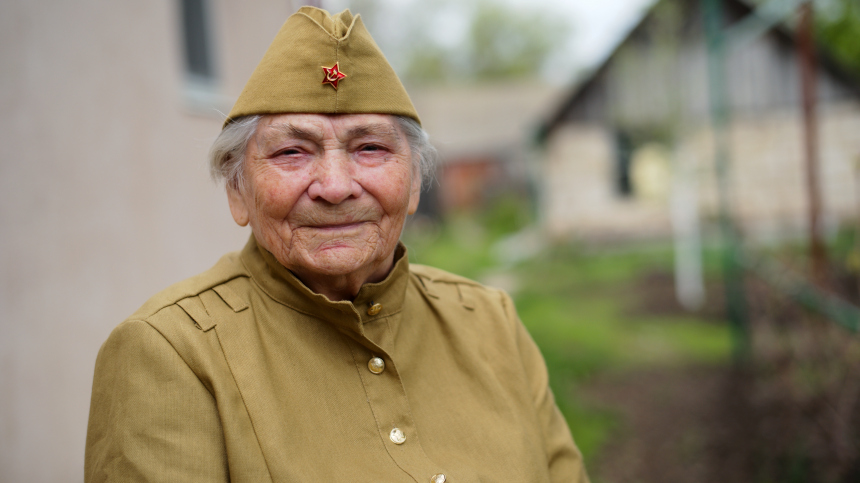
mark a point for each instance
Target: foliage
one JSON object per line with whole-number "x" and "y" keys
{"x": 462, "y": 244}
{"x": 499, "y": 42}
{"x": 509, "y": 214}
{"x": 575, "y": 305}
{"x": 794, "y": 405}
{"x": 838, "y": 28}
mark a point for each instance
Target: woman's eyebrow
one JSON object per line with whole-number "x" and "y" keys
{"x": 277, "y": 132}
{"x": 383, "y": 130}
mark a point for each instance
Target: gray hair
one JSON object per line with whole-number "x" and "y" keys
{"x": 227, "y": 154}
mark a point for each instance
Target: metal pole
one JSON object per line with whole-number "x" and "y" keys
{"x": 732, "y": 270}
{"x": 806, "y": 53}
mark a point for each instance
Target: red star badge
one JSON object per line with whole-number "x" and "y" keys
{"x": 332, "y": 75}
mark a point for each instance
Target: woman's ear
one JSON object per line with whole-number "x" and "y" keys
{"x": 238, "y": 207}
{"x": 415, "y": 190}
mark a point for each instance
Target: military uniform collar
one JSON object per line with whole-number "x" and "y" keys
{"x": 281, "y": 285}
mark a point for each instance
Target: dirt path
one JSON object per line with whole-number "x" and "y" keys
{"x": 667, "y": 418}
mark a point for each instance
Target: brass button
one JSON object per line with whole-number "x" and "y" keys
{"x": 397, "y": 436}
{"x": 374, "y": 308}
{"x": 376, "y": 365}
{"x": 440, "y": 478}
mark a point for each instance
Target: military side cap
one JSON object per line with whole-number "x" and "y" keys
{"x": 324, "y": 64}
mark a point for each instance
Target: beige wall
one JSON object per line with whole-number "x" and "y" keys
{"x": 770, "y": 174}
{"x": 104, "y": 195}
{"x": 579, "y": 196}
{"x": 768, "y": 181}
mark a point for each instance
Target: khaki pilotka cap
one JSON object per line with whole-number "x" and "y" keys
{"x": 323, "y": 64}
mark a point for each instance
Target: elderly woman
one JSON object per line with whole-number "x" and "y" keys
{"x": 318, "y": 353}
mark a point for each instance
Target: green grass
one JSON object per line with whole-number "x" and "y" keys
{"x": 460, "y": 245}
{"x": 576, "y": 304}
{"x": 576, "y": 307}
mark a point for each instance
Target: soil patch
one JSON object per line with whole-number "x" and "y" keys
{"x": 665, "y": 433}
{"x": 790, "y": 414}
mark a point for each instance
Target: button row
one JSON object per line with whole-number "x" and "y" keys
{"x": 376, "y": 366}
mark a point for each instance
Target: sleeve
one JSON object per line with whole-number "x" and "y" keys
{"x": 563, "y": 457}
{"x": 151, "y": 418}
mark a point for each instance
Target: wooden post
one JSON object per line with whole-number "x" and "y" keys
{"x": 806, "y": 52}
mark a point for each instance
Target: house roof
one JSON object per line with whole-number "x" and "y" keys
{"x": 482, "y": 118}
{"x": 739, "y": 9}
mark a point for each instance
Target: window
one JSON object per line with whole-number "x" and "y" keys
{"x": 643, "y": 167}
{"x": 201, "y": 88}
{"x": 623, "y": 153}
{"x": 197, "y": 41}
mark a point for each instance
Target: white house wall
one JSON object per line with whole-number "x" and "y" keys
{"x": 580, "y": 199}
{"x": 768, "y": 184}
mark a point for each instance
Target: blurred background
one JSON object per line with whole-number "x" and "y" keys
{"x": 668, "y": 188}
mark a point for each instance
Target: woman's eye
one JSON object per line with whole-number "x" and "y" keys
{"x": 371, "y": 147}
{"x": 288, "y": 152}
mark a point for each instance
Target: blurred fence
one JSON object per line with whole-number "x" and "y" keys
{"x": 797, "y": 386}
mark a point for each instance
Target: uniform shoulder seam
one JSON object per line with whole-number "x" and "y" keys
{"x": 226, "y": 270}
{"x": 437, "y": 275}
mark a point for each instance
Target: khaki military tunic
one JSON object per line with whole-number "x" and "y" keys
{"x": 243, "y": 374}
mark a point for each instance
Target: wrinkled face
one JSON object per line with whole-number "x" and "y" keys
{"x": 327, "y": 195}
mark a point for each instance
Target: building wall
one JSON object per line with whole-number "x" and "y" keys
{"x": 579, "y": 196}
{"x": 483, "y": 144}
{"x": 465, "y": 183}
{"x": 769, "y": 169}
{"x": 104, "y": 195}
{"x": 658, "y": 77}
{"x": 655, "y": 89}
{"x": 768, "y": 183}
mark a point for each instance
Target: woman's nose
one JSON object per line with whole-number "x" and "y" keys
{"x": 333, "y": 179}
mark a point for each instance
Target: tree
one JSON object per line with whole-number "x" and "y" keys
{"x": 499, "y": 42}
{"x": 838, "y": 28}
